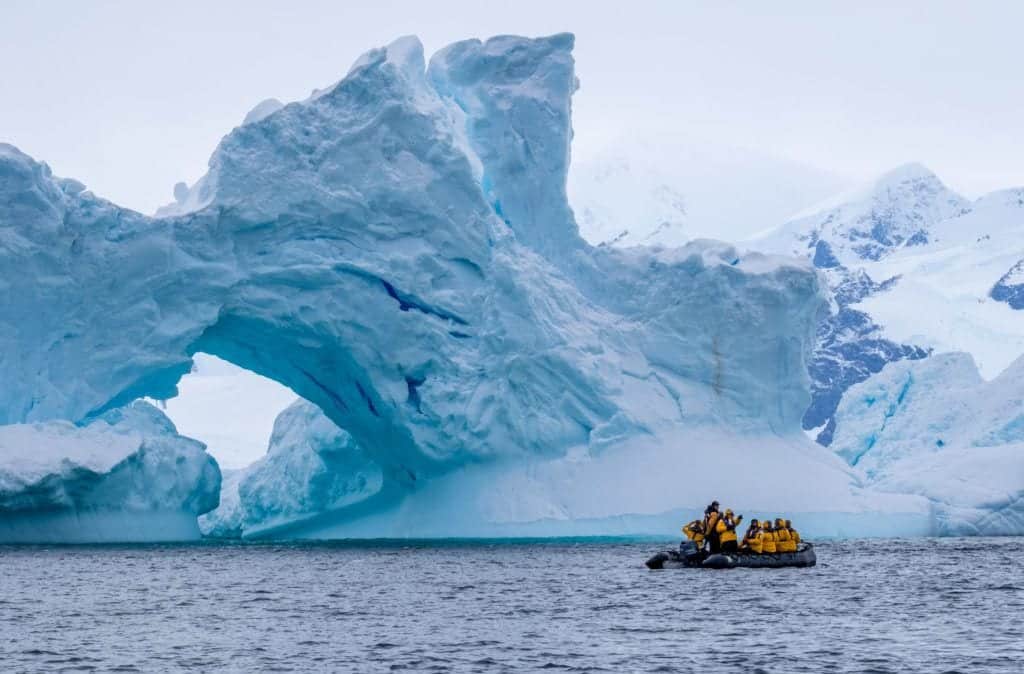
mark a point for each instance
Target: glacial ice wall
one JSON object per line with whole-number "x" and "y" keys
{"x": 398, "y": 250}
{"x": 934, "y": 427}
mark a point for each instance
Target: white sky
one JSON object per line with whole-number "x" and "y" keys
{"x": 131, "y": 97}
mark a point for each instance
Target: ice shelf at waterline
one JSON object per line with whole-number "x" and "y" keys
{"x": 399, "y": 251}
{"x": 935, "y": 427}
{"x": 126, "y": 475}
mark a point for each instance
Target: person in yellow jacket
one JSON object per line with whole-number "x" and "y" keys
{"x": 752, "y": 539}
{"x": 726, "y": 529}
{"x": 768, "y": 538}
{"x": 793, "y": 533}
{"x": 695, "y": 532}
{"x": 785, "y": 541}
{"x": 711, "y": 517}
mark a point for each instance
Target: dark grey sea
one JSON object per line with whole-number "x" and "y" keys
{"x": 944, "y": 605}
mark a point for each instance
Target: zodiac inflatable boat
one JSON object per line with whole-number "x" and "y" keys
{"x": 689, "y": 557}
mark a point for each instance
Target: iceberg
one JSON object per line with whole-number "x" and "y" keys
{"x": 398, "y": 250}
{"x": 934, "y": 427}
{"x": 315, "y": 482}
{"x": 126, "y": 475}
{"x": 312, "y": 468}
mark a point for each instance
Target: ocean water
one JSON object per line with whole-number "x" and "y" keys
{"x": 947, "y": 605}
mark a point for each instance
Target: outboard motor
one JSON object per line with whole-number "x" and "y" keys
{"x": 688, "y": 550}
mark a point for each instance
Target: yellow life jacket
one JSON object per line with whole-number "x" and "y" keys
{"x": 711, "y": 523}
{"x": 754, "y": 541}
{"x": 694, "y": 533}
{"x": 785, "y": 541}
{"x": 795, "y": 535}
{"x": 768, "y": 542}
{"x": 725, "y": 534}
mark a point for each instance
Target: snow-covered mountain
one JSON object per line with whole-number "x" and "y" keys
{"x": 669, "y": 190}
{"x": 915, "y": 269}
{"x": 956, "y": 293}
{"x": 897, "y": 211}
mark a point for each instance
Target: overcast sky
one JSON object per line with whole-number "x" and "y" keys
{"x": 131, "y": 97}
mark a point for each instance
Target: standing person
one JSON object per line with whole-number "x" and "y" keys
{"x": 711, "y": 517}
{"x": 726, "y": 529}
{"x": 768, "y": 538}
{"x": 752, "y": 539}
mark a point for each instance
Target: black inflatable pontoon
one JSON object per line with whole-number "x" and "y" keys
{"x": 689, "y": 557}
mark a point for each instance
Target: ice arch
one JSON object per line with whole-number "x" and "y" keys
{"x": 399, "y": 251}
{"x": 230, "y": 410}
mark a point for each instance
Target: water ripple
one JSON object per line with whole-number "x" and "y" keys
{"x": 880, "y": 606}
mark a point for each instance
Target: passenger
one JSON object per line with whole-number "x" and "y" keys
{"x": 784, "y": 541}
{"x": 752, "y": 539}
{"x": 695, "y": 532}
{"x": 726, "y": 529}
{"x": 768, "y": 538}
{"x": 793, "y": 533}
{"x": 711, "y": 517}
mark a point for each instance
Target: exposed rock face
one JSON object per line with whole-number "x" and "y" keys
{"x": 1010, "y": 287}
{"x": 850, "y": 348}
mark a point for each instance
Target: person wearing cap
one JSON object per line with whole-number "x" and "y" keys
{"x": 768, "y": 545}
{"x": 752, "y": 539}
{"x": 784, "y": 540}
{"x": 726, "y": 529}
{"x": 711, "y": 517}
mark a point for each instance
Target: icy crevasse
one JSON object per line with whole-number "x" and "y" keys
{"x": 398, "y": 250}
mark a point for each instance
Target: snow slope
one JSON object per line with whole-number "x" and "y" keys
{"x": 947, "y": 296}
{"x": 126, "y": 475}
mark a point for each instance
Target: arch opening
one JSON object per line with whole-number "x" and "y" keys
{"x": 285, "y": 464}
